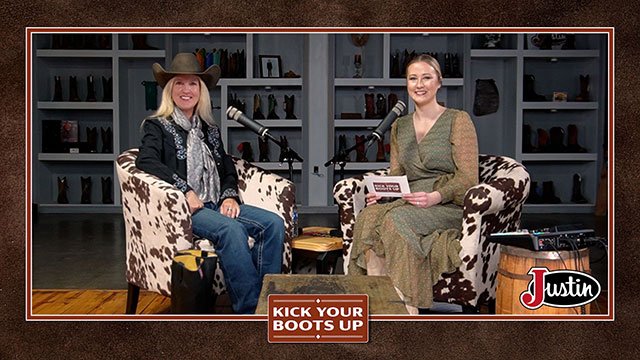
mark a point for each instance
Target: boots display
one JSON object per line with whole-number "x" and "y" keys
{"x": 289, "y": 106}
{"x": 576, "y": 193}
{"x": 342, "y": 146}
{"x": 556, "y": 144}
{"x": 361, "y": 156}
{"x": 381, "y": 106}
{"x": 107, "y": 89}
{"x": 257, "y": 108}
{"x": 140, "y": 42}
{"x": 86, "y": 189}
{"x": 548, "y": 195}
{"x": 73, "y": 89}
{"x": 62, "y": 190}
{"x": 572, "y": 140}
{"x": 57, "y": 93}
{"x": 91, "y": 90}
{"x": 370, "y": 108}
{"x": 543, "y": 140}
{"x": 263, "y": 146}
{"x": 247, "y": 151}
{"x": 92, "y": 139}
{"x": 107, "y": 140}
{"x": 380, "y": 156}
{"x": 455, "y": 66}
{"x": 584, "y": 89}
{"x": 447, "y": 65}
{"x": 529, "y": 90}
{"x": 272, "y": 107}
{"x": 106, "y": 190}
{"x": 395, "y": 65}
{"x": 285, "y": 144}
{"x": 393, "y": 100}
{"x": 527, "y": 145}
{"x": 224, "y": 63}
{"x": 535, "y": 194}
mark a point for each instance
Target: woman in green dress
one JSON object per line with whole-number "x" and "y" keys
{"x": 415, "y": 239}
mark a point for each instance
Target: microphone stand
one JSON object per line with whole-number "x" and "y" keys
{"x": 289, "y": 153}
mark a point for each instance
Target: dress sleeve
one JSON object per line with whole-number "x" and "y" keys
{"x": 150, "y": 156}
{"x": 396, "y": 168}
{"x": 464, "y": 147}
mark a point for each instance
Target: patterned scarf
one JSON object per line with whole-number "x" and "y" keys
{"x": 202, "y": 173}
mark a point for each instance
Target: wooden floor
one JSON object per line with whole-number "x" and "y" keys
{"x": 54, "y": 302}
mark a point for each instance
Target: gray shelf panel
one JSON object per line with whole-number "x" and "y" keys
{"x": 276, "y": 166}
{"x": 262, "y": 82}
{"x": 73, "y": 53}
{"x": 558, "y": 208}
{"x": 366, "y": 123}
{"x": 570, "y": 105}
{"x": 75, "y": 157}
{"x": 561, "y": 53}
{"x": 141, "y": 53}
{"x": 269, "y": 123}
{"x": 366, "y": 165}
{"x": 71, "y": 105}
{"x": 560, "y": 157}
{"x": 366, "y": 82}
{"x": 80, "y": 208}
{"x": 498, "y": 53}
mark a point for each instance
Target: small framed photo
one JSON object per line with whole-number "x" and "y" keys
{"x": 559, "y": 96}
{"x": 270, "y": 66}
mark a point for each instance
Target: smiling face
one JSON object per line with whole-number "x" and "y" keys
{"x": 186, "y": 93}
{"x": 423, "y": 83}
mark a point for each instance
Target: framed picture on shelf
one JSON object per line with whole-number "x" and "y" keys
{"x": 270, "y": 66}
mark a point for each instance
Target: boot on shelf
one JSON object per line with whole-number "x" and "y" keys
{"x": 447, "y": 65}
{"x": 289, "y": 106}
{"x": 535, "y": 194}
{"x": 572, "y": 140}
{"x": 584, "y": 88}
{"x": 342, "y": 146}
{"x": 63, "y": 186}
{"x": 381, "y": 106}
{"x": 285, "y": 144}
{"x": 56, "y": 41}
{"x": 557, "y": 140}
{"x": 92, "y": 139}
{"x": 106, "y": 190}
{"x": 370, "y": 107}
{"x": 247, "y": 151}
{"x": 576, "y": 193}
{"x": 529, "y": 90}
{"x": 233, "y": 65}
{"x": 73, "y": 89}
{"x": 104, "y": 41}
{"x": 361, "y": 156}
{"x": 107, "y": 140}
{"x": 392, "y": 99}
{"x": 140, "y": 42}
{"x": 570, "y": 43}
{"x": 224, "y": 63}
{"x": 57, "y": 92}
{"x": 380, "y": 156}
{"x": 543, "y": 140}
{"x": 405, "y": 61}
{"x": 272, "y": 107}
{"x": 107, "y": 89}
{"x": 263, "y": 146}
{"x": 527, "y": 144}
{"x": 91, "y": 90}
{"x": 257, "y": 108}
{"x": 548, "y": 194}
{"x": 455, "y": 66}
{"x": 201, "y": 55}
{"x": 86, "y": 189}
{"x": 395, "y": 65}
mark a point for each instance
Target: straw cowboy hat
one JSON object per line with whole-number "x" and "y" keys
{"x": 186, "y": 63}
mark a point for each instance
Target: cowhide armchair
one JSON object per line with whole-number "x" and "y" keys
{"x": 158, "y": 222}
{"x": 494, "y": 205}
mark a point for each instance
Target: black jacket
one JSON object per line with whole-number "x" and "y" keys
{"x": 163, "y": 153}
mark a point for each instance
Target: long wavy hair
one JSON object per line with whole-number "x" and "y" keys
{"x": 203, "y": 107}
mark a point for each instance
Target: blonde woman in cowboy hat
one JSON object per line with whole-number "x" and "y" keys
{"x": 181, "y": 144}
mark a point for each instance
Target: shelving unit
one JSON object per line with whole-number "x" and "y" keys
{"x": 325, "y": 89}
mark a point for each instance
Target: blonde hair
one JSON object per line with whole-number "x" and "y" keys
{"x": 203, "y": 108}
{"x": 429, "y": 60}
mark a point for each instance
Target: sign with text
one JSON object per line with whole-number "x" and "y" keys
{"x": 387, "y": 186}
{"x": 331, "y": 318}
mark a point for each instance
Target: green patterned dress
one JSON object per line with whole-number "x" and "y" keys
{"x": 419, "y": 244}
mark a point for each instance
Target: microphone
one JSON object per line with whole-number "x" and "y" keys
{"x": 239, "y": 116}
{"x": 378, "y": 133}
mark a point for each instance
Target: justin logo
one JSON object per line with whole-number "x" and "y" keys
{"x": 559, "y": 288}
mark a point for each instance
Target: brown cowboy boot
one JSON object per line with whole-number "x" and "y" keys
{"x": 370, "y": 108}
{"x": 380, "y": 156}
{"x": 360, "y": 150}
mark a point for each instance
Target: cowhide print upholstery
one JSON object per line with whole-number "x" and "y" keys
{"x": 158, "y": 222}
{"x": 494, "y": 205}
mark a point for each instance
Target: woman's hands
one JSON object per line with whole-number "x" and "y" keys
{"x": 230, "y": 208}
{"x": 372, "y": 199}
{"x": 423, "y": 199}
{"x": 194, "y": 201}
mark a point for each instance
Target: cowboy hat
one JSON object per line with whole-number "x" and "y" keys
{"x": 186, "y": 63}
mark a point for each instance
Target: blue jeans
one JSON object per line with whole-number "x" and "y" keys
{"x": 243, "y": 268}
